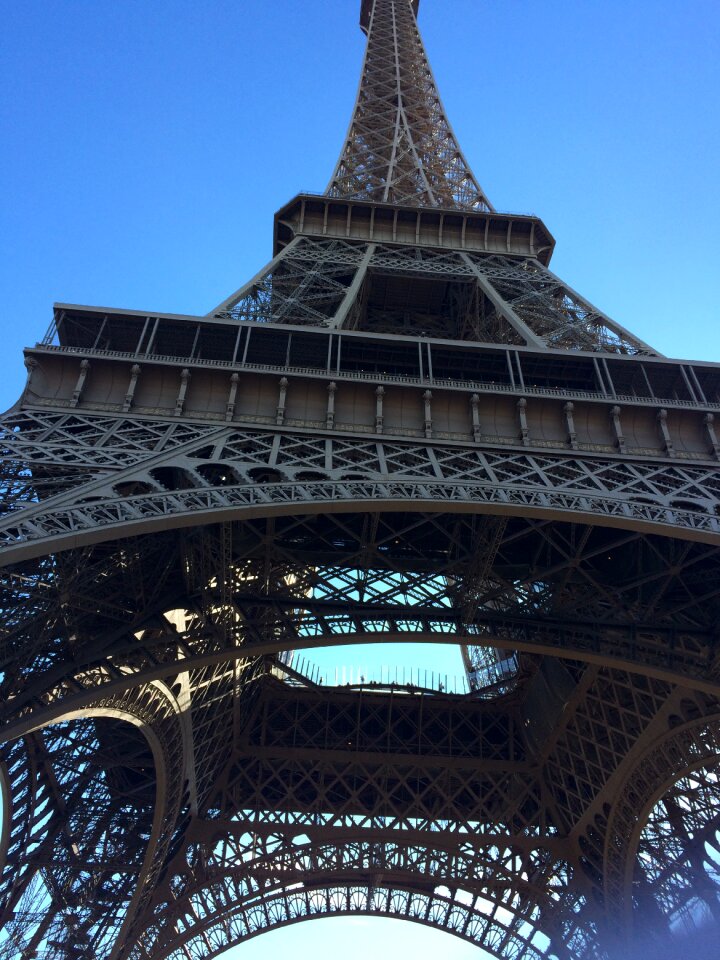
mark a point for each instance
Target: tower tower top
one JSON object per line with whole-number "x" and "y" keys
{"x": 366, "y": 12}
{"x": 400, "y": 147}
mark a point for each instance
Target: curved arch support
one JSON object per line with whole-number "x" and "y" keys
{"x": 136, "y": 792}
{"x": 244, "y": 656}
{"x": 683, "y": 751}
{"x": 5, "y": 813}
{"x": 288, "y": 907}
{"x": 26, "y": 797}
{"x": 493, "y": 897}
{"x": 49, "y": 530}
{"x": 646, "y": 605}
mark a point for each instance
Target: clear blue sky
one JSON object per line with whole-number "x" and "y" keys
{"x": 146, "y": 146}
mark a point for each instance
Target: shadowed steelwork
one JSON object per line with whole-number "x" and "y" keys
{"x": 403, "y": 428}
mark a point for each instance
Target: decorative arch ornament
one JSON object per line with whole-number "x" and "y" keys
{"x": 490, "y": 896}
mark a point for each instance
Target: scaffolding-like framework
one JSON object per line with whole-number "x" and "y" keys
{"x": 404, "y": 428}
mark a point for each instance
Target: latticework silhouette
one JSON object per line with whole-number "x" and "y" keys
{"x": 405, "y": 427}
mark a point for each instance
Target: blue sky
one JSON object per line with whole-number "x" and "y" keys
{"x": 147, "y": 146}
{"x": 356, "y": 938}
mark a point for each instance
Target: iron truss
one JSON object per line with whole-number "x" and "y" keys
{"x": 404, "y": 428}
{"x": 496, "y": 817}
{"x": 487, "y": 297}
{"x": 400, "y": 146}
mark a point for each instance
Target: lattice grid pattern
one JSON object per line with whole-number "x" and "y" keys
{"x": 171, "y": 784}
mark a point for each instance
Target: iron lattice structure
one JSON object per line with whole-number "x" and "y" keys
{"x": 404, "y": 428}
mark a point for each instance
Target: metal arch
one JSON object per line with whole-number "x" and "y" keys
{"x": 163, "y": 777}
{"x": 684, "y": 749}
{"x": 679, "y": 879}
{"x": 99, "y": 521}
{"x": 23, "y": 806}
{"x": 400, "y": 904}
{"x": 607, "y": 648}
{"x": 244, "y": 657}
{"x": 483, "y": 478}
{"x": 598, "y": 621}
{"x": 283, "y": 886}
{"x": 134, "y": 708}
{"x": 6, "y": 814}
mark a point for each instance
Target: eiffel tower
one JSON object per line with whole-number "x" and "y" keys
{"x": 404, "y": 428}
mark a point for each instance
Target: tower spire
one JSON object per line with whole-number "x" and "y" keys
{"x": 400, "y": 147}
{"x": 403, "y": 428}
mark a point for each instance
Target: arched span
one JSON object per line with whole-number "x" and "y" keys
{"x": 5, "y": 814}
{"x": 432, "y": 911}
{"x": 617, "y": 598}
{"x": 103, "y": 829}
{"x": 24, "y": 793}
{"x": 680, "y": 880}
{"x": 492, "y": 897}
{"x": 689, "y": 748}
{"x": 49, "y": 530}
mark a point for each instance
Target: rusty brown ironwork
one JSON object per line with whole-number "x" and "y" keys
{"x": 404, "y": 428}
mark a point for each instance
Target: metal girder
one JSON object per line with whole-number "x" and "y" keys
{"x": 214, "y": 478}
{"x": 404, "y": 427}
{"x": 105, "y": 802}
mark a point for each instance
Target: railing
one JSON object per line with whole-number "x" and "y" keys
{"x": 475, "y": 386}
{"x": 492, "y": 677}
{"x": 394, "y": 678}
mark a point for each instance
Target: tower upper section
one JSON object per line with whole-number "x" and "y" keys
{"x": 400, "y": 147}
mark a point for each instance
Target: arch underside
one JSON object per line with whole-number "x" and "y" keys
{"x": 59, "y": 497}
{"x": 94, "y": 799}
{"x": 514, "y": 898}
{"x": 677, "y": 863}
{"x": 257, "y": 588}
{"x": 610, "y": 622}
{"x": 233, "y": 879}
{"x": 662, "y": 862}
{"x": 457, "y": 912}
{"x": 603, "y": 493}
{"x": 247, "y": 480}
